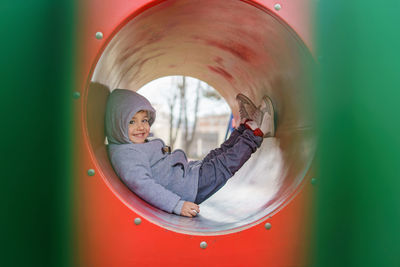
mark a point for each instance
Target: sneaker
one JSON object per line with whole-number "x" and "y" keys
{"x": 247, "y": 109}
{"x": 267, "y": 125}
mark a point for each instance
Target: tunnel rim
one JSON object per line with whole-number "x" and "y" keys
{"x": 158, "y": 221}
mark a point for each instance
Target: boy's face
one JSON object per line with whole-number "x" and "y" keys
{"x": 139, "y": 127}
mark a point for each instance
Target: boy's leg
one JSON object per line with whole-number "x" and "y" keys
{"x": 227, "y": 144}
{"x": 247, "y": 111}
{"x": 216, "y": 171}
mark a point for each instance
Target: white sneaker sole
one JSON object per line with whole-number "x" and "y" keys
{"x": 268, "y": 103}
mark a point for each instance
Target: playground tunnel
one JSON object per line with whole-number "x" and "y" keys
{"x": 236, "y": 47}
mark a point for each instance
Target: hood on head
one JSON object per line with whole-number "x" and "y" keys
{"x": 122, "y": 104}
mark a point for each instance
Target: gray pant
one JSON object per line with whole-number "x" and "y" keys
{"x": 222, "y": 163}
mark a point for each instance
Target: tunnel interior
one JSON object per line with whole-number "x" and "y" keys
{"x": 236, "y": 47}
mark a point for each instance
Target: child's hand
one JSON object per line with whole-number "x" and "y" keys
{"x": 190, "y": 209}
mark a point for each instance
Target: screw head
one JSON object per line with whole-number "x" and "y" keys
{"x": 91, "y": 172}
{"x": 138, "y": 221}
{"x": 76, "y": 95}
{"x": 314, "y": 181}
{"x": 203, "y": 244}
{"x": 267, "y": 226}
{"x": 277, "y": 7}
{"x": 99, "y": 35}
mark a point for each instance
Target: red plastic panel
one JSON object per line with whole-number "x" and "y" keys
{"x": 106, "y": 233}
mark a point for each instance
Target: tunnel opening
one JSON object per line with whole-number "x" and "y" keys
{"x": 191, "y": 115}
{"x": 236, "y": 47}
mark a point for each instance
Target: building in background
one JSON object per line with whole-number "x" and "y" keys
{"x": 210, "y": 133}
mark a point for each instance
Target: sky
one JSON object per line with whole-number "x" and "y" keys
{"x": 159, "y": 91}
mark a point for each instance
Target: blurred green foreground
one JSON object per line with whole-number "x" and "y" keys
{"x": 358, "y": 207}
{"x": 36, "y": 45}
{"x": 358, "y": 94}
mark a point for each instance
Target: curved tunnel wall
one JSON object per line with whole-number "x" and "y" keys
{"x": 235, "y": 46}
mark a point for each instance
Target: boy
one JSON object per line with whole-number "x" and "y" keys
{"x": 166, "y": 179}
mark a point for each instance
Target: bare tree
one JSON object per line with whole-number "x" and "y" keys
{"x": 190, "y": 133}
{"x": 181, "y": 121}
{"x": 172, "y": 125}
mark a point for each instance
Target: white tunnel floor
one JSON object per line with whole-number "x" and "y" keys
{"x": 262, "y": 186}
{"x": 246, "y": 193}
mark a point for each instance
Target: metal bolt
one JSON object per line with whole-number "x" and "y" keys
{"x": 277, "y": 7}
{"x": 138, "y": 221}
{"x": 267, "y": 226}
{"x": 203, "y": 244}
{"x": 76, "y": 95}
{"x": 314, "y": 181}
{"x": 91, "y": 172}
{"x": 99, "y": 35}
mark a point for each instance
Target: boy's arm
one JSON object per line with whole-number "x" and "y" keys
{"x": 136, "y": 173}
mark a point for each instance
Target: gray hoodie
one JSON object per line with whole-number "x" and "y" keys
{"x": 164, "y": 180}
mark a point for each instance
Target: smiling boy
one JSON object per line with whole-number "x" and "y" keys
{"x": 139, "y": 127}
{"x": 167, "y": 180}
